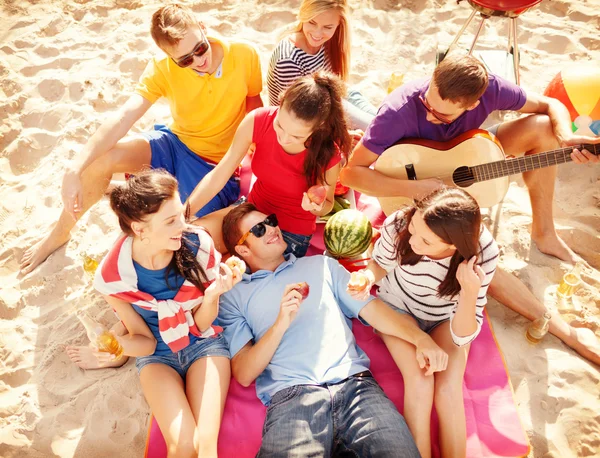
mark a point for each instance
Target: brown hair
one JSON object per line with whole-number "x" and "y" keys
{"x": 170, "y": 24}
{"x": 454, "y": 216}
{"x": 317, "y": 99}
{"x": 143, "y": 195}
{"x": 461, "y": 79}
{"x": 337, "y": 47}
{"x": 231, "y": 225}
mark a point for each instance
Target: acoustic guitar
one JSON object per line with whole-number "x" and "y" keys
{"x": 474, "y": 161}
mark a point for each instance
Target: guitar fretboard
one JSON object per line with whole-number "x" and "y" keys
{"x": 515, "y": 166}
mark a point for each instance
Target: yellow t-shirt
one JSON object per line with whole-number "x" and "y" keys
{"x": 206, "y": 109}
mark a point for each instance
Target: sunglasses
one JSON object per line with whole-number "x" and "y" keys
{"x": 260, "y": 229}
{"x": 199, "y": 50}
{"x": 440, "y": 117}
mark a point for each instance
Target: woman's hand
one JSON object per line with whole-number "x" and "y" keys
{"x": 356, "y": 136}
{"x": 309, "y": 206}
{"x": 225, "y": 279}
{"x": 360, "y": 284}
{"x": 470, "y": 276}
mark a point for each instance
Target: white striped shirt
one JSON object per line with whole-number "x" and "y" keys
{"x": 414, "y": 289}
{"x": 288, "y": 63}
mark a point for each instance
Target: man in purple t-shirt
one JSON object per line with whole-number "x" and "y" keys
{"x": 458, "y": 98}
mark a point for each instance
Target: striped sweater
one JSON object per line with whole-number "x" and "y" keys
{"x": 288, "y": 63}
{"x": 414, "y": 288}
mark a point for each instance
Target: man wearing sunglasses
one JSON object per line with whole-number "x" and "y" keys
{"x": 459, "y": 97}
{"x": 210, "y": 85}
{"x": 321, "y": 398}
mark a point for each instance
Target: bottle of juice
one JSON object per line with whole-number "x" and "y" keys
{"x": 100, "y": 337}
{"x": 89, "y": 265}
{"x": 571, "y": 280}
{"x": 396, "y": 80}
{"x": 539, "y": 328}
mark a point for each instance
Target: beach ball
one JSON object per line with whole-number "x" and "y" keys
{"x": 578, "y": 88}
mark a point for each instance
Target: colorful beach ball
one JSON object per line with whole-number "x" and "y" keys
{"x": 578, "y": 87}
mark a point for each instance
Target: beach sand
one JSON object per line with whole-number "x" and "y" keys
{"x": 67, "y": 65}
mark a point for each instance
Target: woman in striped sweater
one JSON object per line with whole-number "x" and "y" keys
{"x": 434, "y": 262}
{"x": 319, "y": 41}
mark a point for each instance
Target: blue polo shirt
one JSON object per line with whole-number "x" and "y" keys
{"x": 319, "y": 346}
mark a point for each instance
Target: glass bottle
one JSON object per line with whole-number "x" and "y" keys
{"x": 396, "y": 80}
{"x": 100, "y": 337}
{"x": 570, "y": 281}
{"x": 89, "y": 265}
{"x": 539, "y": 328}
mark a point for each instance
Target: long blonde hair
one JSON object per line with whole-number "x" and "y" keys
{"x": 338, "y": 47}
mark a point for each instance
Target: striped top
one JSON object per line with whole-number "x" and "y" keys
{"x": 288, "y": 63}
{"x": 414, "y": 288}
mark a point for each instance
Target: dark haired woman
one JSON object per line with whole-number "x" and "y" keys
{"x": 434, "y": 262}
{"x": 301, "y": 143}
{"x": 164, "y": 278}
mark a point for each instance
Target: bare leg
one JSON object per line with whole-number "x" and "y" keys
{"x": 207, "y": 383}
{"x": 84, "y": 357}
{"x": 164, "y": 390}
{"x": 529, "y": 135}
{"x": 129, "y": 155}
{"x": 510, "y": 291}
{"x": 448, "y": 398}
{"x": 213, "y": 223}
{"x": 418, "y": 391}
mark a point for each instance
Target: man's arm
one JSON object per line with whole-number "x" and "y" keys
{"x": 387, "y": 321}
{"x": 253, "y": 103}
{"x": 252, "y": 360}
{"x": 104, "y": 139}
{"x": 561, "y": 125}
{"x": 358, "y": 175}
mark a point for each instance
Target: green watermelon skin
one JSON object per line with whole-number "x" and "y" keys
{"x": 347, "y": 234}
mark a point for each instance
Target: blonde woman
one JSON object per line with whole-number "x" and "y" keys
{"x": 319, "y": 41}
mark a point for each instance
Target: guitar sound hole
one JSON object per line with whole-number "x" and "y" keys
{"x": 463, "y": 177}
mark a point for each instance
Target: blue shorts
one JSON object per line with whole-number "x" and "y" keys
{"x": 296, "y": 244}
{"x": 171, "y": 154}
{"x": 183, "y": 359}
{"x": 424, "y": 325}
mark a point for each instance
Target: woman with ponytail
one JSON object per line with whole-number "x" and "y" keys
{"x": 320, "y": 40}
{"x": 434, "y": 262}
{"x": 164, "y": 278}
{"x": 303, "y": 142}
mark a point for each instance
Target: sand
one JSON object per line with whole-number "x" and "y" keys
{"x": 66, "y": 65}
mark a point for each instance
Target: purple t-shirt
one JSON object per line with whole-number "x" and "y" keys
{"x": 402, "y": 115}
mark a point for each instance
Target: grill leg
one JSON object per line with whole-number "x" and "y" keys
{"x": 479, "y": 29}
{"x": 515, "y": 48}
{"x": 462, "y": 30}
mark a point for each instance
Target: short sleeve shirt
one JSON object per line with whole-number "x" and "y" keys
{"x": 206, "y": 109}
{"x": 402, "y": 115}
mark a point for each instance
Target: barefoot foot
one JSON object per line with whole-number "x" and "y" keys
{"x": 85, "y": 358}
{"x": 38, "y": 253}
{"x": 586, "y": 343}
{"x": 553, "y": 245}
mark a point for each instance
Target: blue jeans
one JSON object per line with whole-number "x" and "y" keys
{"x": 297, "y": 244}
{"x": 171, "y": 154}
{"x": 183, "y": 359}
{"x": 352, "y": 418}
{"x": 359, "y": 110}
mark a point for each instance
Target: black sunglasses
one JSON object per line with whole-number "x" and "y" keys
{"x": 199, "y": 50}
{"x": 260, "y": 229}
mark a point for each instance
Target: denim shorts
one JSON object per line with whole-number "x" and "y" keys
{"x": 297, "y": 244}
{"x": 171, "y": 154}
{"x": 183, "y": 359}
{"x": 494, "y": 129}
{"x": 424, "y": 325}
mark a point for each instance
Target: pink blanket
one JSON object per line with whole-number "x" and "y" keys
{"x": 493, "y": 425}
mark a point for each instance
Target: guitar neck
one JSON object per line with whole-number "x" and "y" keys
{"x": 506, "y": 167}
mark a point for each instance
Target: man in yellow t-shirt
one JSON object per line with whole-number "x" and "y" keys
{"x": 210, "y": 85}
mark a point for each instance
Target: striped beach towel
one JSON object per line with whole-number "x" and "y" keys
{"x": 116, "y": 277}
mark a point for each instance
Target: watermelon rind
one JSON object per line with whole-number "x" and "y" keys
{"x": 347, "y": 234}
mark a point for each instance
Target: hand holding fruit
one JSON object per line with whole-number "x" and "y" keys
{"x": 290, "y": 303}
{"x": 315, "y": 198}
{"x": 360, "y": 284}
